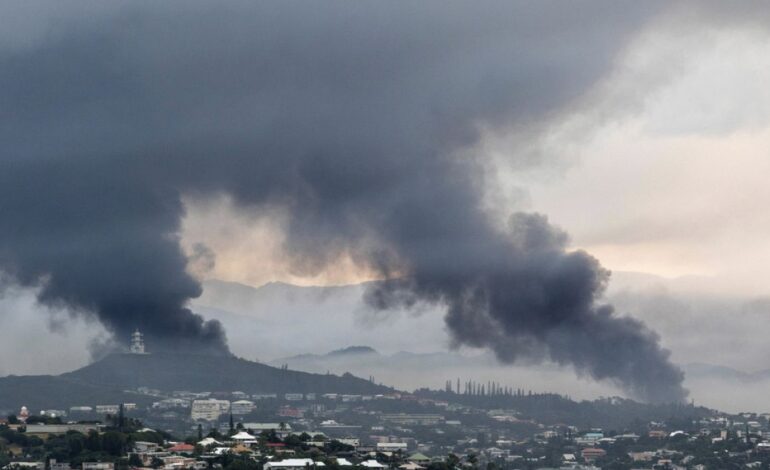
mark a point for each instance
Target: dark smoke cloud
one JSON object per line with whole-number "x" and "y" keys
{"x": 531, "y": 297}
{"x": 358, "y": 120}
{"x": 201, "y": 259}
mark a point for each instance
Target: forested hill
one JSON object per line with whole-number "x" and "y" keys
{"x": 107, "y": 380}
{"x": 213, "y": 373}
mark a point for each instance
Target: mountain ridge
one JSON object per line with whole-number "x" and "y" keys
{"x": 116, "y": 377}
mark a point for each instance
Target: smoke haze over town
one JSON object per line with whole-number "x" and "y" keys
{"x": 572, "y": 193}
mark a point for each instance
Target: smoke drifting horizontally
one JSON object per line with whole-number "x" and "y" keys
{"x": 358, "y": 121}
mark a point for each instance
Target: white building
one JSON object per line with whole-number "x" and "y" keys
{"x": 293, "y": 464}
{"x": 25, "y": 466}
{"x": 391, "y": 446}
{"x": 208, "y": 410}
{"x": 170, "y": 403}
{"x": 81, "y": 409}
{"x": 209, "y": 441}
{"x": 264, "y": 396}
{"x": 242, "y": 407}
{"x": 243, "y": 436}
{"x": 107, "y": 409}
{"x": 137, "y": 343}
{"x": 54, "y": 465}
{"x": 98, "y": 466}
{"x": 260, "y": 427}
{"x": 372, "y": 464}
{"x": 60, "y": 428}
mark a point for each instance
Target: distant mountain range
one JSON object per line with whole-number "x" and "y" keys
{"x": 282, "y": 320}
{"x": 708, "y": 383}
{"x": 107, "y": 380}
{"x": 365, "y": 357}
{"x": 701, "y": 371}
{"x": 409, "y": 371}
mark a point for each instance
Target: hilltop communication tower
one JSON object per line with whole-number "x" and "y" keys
{"x": 137, "y": 343}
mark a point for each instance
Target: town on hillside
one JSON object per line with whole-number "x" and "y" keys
{"x": 464, "y": 425}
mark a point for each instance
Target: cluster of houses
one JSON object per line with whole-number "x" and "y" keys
{"x": 272, "y": 455}
{"x": 407, "y": 431}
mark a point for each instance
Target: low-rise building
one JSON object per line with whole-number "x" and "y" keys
{"x": 171, "y": 403}
{"x": 81, "y": 409}
{"x": 107, "y": 409}
{"x": 55, "y": 465}
{"x": 98, "y": 466}
{"x": 592, "y": 453}
{"x": 208, "y": 410}
{"x": 25, "y": 466}
{"x": 182, "y": 448}
{"x": 373, "y": 464}
{"x": 418, "y": 419}
{"x": 144, "y": 446}
{"x": 391, "y": 446}
{"x": 256, "y": 428}
{"x": 293, "y": 464}
{"x": 242, "y": 407}
{"x": 60, "y": 428}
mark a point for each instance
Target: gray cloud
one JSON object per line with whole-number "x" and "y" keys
{"x": 357, "y": 120}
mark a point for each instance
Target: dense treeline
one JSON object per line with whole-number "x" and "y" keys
{"x": 552, "y": 409}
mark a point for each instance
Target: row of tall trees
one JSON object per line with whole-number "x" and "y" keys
{"x": 491, "y": 388}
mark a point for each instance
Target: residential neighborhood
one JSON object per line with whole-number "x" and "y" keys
{"x": 424, "y": 430}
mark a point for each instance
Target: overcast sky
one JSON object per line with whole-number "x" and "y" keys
{"x": 653, "y": 157}
{"x": 662, "y": 170}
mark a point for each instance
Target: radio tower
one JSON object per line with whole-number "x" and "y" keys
{"x": 137, "y": 343}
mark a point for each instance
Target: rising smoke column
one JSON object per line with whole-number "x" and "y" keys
{"x": 101, "y": 241}
{"x": 525, "y": 295}
{"x": 359, "y": 123}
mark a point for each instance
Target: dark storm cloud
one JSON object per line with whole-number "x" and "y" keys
{"x": 356, "y": 119}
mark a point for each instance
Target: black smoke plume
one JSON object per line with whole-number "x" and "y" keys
{"x": 358, "y": 120}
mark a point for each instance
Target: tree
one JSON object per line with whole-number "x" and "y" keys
{"x": 114, "y": 443}
{"x": 93, "y": 442}
{"x": 76, "y": 443}
{"x": 335, "y": 446}
{"x": 241, "y": 463}
{"x": 135, "y": 461}
{"x": 293, "y": 441}
{"x": 269, "y": 436}
{"x": 121, "y": 417}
